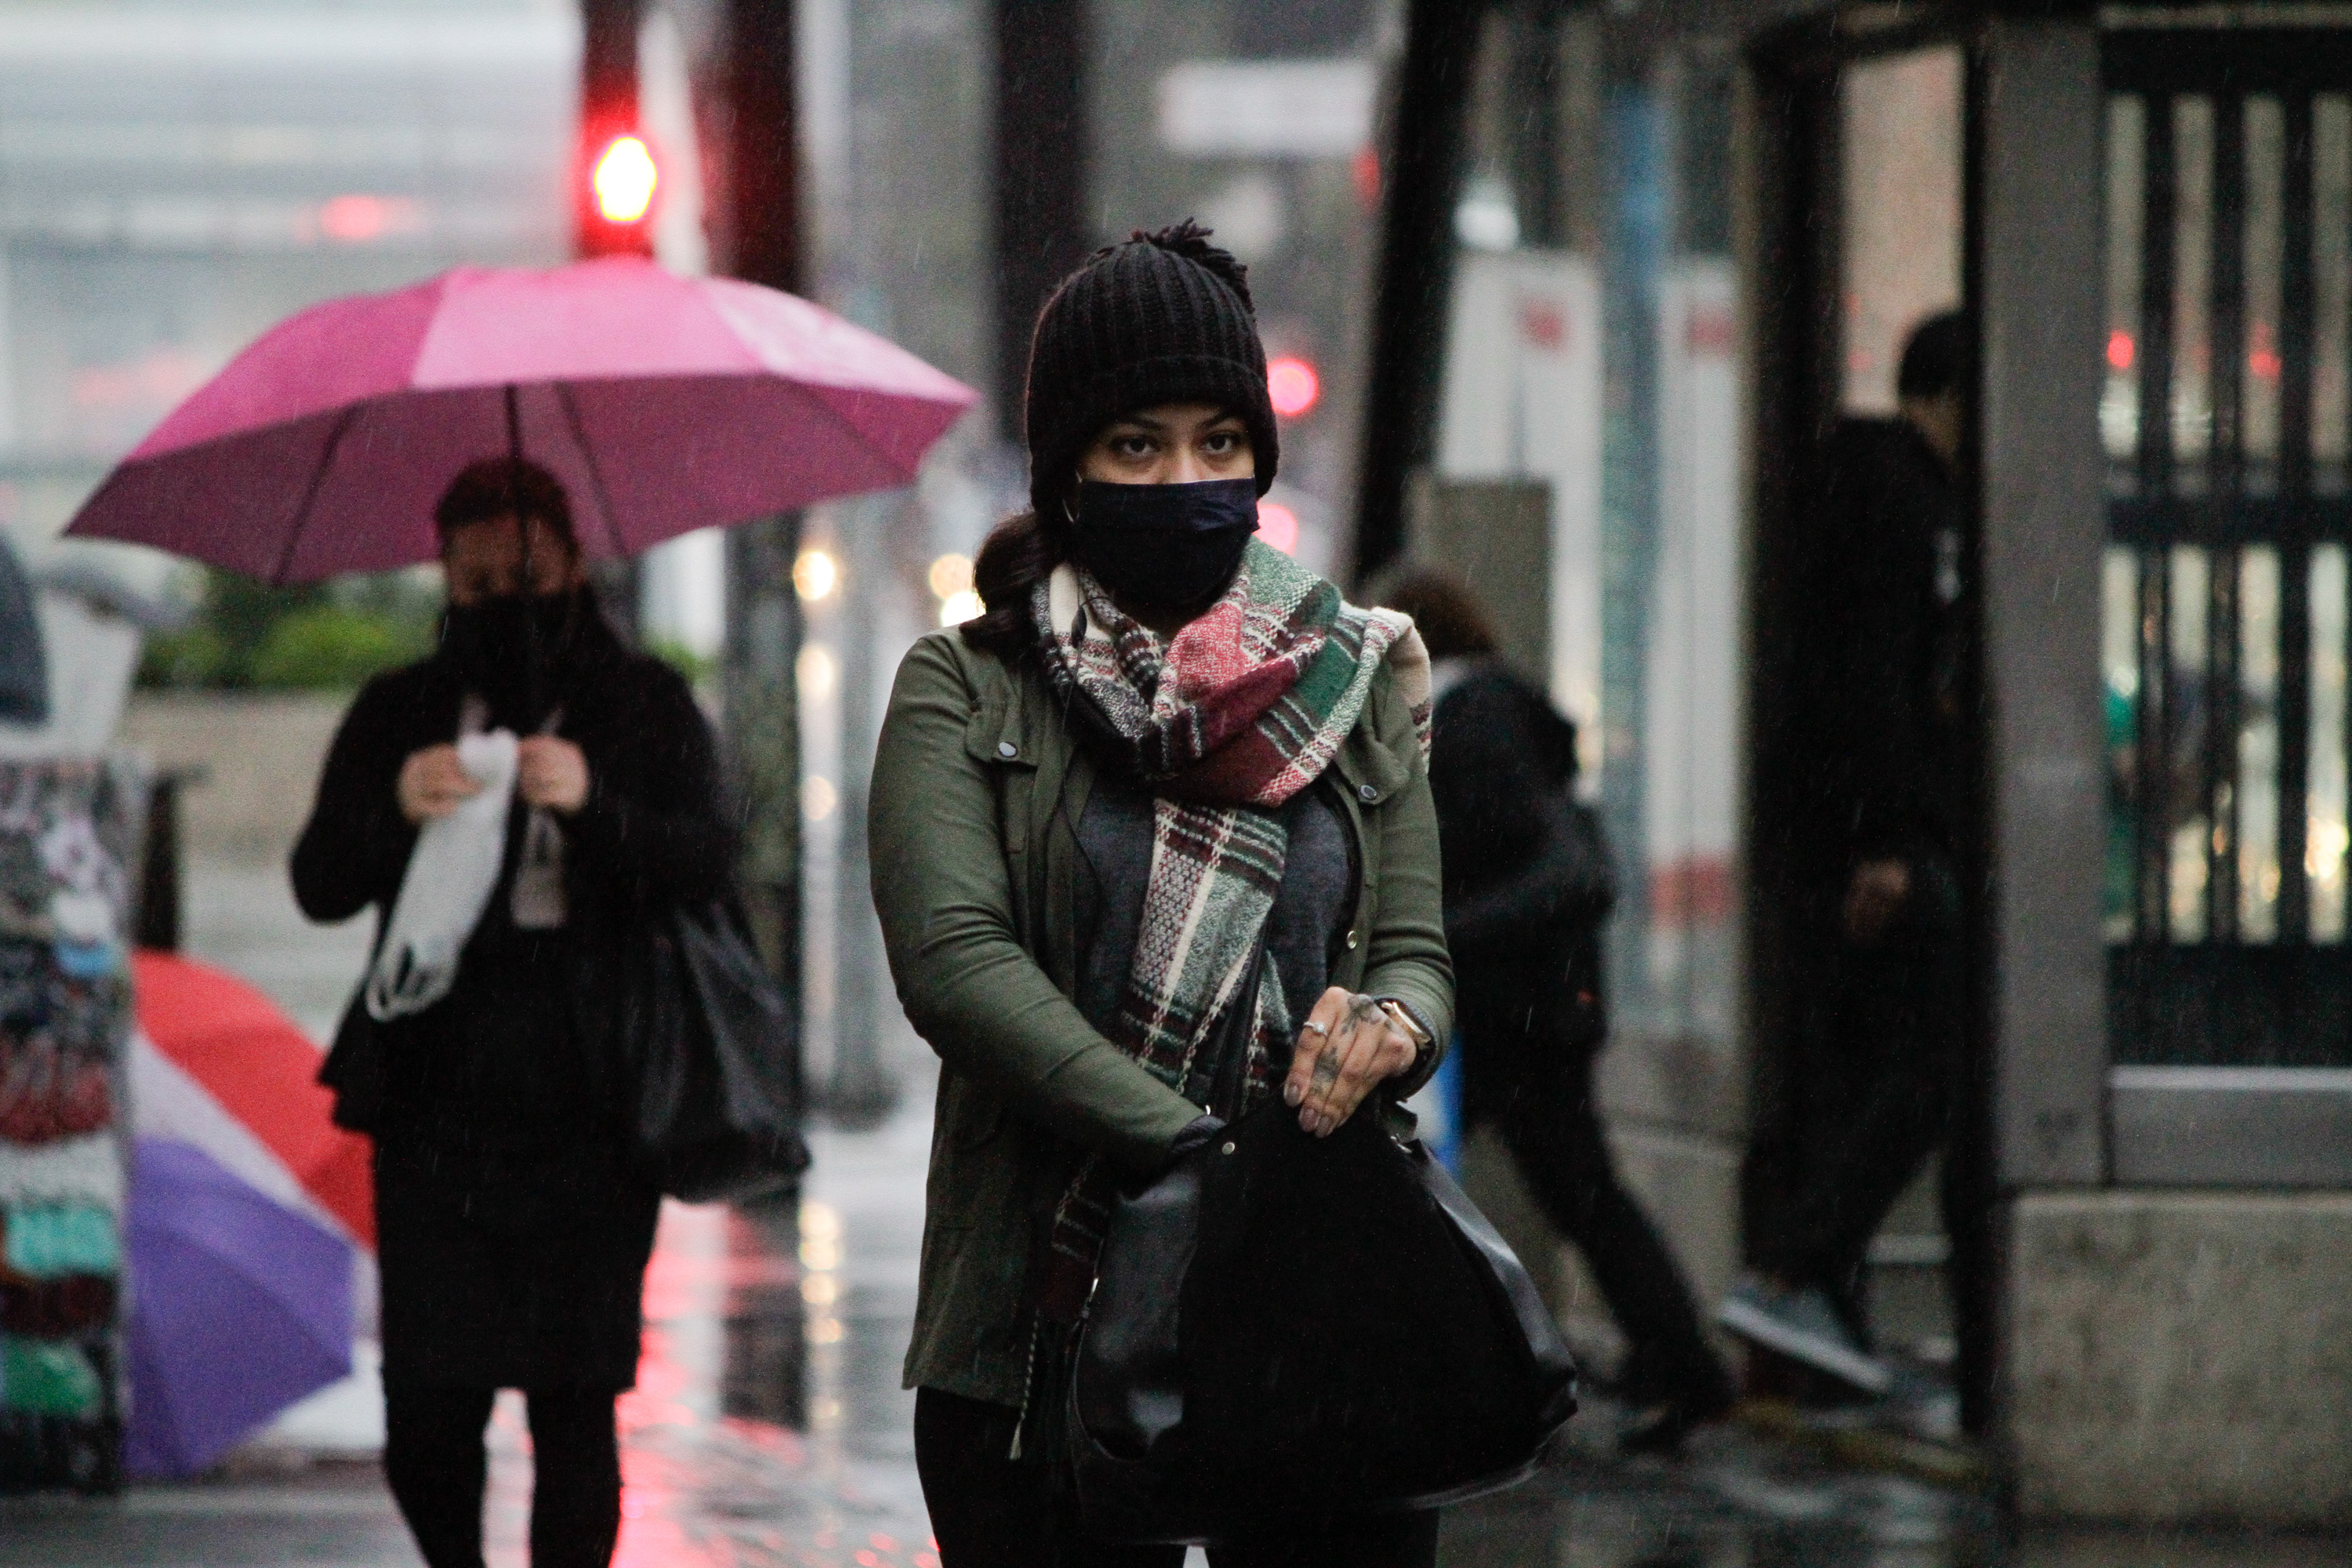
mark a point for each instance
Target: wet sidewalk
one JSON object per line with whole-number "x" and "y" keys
{"x": 768, "y": 1430}
{"x": 767, "y": 1426}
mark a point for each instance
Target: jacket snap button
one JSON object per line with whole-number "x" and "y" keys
{"x": 1351, "y": 942}
{"x": 1366, "y": 793}
{"x": 1007, "y": 748}
{"x": 1227, "y": 1150}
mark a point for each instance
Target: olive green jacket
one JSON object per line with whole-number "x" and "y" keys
{"x": 977, "y": 784}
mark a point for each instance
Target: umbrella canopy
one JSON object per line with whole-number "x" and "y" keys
{"x": 258, "y": 1109}
{"x": 663, "y": 403}
{"x": 239, "y": 1308}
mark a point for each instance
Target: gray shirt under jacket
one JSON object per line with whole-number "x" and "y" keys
{"x": 1306, "y": 927}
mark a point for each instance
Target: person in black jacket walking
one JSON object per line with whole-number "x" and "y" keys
{"x": 1528, "y": 883}
{"x": 1884, "y": 800}
{"x": 512, "y": 1235}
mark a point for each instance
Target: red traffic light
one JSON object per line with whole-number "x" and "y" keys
{"x": 625, "y": 181}
{"x": 615, "y": 187}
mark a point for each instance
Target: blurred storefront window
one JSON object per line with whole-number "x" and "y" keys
{"x": 1259, "y": 120}
{"x": 1592, "y": 358}
{"x": 1591, "y": 352}
{"x": 176, "y": 175}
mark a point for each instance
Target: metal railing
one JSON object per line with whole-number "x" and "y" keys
{"x": 2227, "y": 419}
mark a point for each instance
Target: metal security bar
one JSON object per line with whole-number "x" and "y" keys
{"x": 2227, "y": 420}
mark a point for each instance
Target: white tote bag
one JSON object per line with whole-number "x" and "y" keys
{"x": 451, "y": 874}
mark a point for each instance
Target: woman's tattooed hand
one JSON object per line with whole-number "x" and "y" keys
{"x": 1347, "y": 1047}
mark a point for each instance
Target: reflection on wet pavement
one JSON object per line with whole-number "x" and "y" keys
{"x": 1735, "y": 1503}
{"x": 768, "y": 1428}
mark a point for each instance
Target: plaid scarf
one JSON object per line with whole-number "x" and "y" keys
{"x": 1244, "y": 707}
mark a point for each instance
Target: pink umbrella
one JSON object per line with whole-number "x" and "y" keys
{"x": 663, "y": 403}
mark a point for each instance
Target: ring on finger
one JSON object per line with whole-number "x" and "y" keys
{"x": 1322, "y": 1029}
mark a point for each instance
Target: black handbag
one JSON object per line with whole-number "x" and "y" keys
{"x": 355, "y": 1065}
{"x": 712, "y": 1102}
{"x": 1287, "y": 1331}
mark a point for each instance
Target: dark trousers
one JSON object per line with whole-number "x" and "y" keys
{"x": 435, "y": 1461}
{"x": 991, "y": 1511}
{"x": 1885, "y": 1078}
{"x": 1526, "y": 1075}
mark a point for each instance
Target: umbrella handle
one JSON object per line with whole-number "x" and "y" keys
{"x": 531, "y": 674}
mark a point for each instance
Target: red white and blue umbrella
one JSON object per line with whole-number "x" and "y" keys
{"x": 239, "y": 1307}
{"x": 250, "y": 1220}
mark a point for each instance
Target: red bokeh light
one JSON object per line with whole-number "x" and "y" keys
{"x": 1293, "y": 386}
{"x": 2262, "y": 357}
{"x": 1279, "y": 526}
{"x": 1543, "y": 323}
{"x": 1709, "y": 331}
{"x": 2121, "y": 351}
{"x": 355, "y": 218}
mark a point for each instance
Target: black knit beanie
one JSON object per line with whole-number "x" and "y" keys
{"x": 1165, "y": 318}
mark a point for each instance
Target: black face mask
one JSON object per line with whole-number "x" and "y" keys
{"x": 1175, "y": 546}
{"x": 507, "y": 649}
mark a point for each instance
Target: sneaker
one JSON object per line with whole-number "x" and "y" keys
{"x": 1800, "y": 1324}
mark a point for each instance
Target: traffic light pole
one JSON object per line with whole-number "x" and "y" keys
{"x": 608, "y": 107}
{"x": 1041, "y": 230}
{"x": 1422, "y": 181}
{"x": 760, "y": 206}
{"x": 758, "y": 238}
{"x": 608, "y": 56}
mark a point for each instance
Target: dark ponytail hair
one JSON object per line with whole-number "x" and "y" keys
{"x": 1018, "y": 554}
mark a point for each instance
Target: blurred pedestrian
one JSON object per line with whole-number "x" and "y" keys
{"x": 1164, "y": 748}
{"x": 512, "y": 1234}
{"x": 1885, "y": 717}
{"x": 1528, "y": 884}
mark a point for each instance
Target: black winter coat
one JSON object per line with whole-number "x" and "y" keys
{"x": 512, "y": 1237}
{"x": 1527, "y": 879}
{"x": 1883, "y": 669}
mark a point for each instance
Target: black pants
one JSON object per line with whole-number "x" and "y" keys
{"x": 990, "y": 1511}
{"x": 435, "y": 1461}
{"x": 1885, "y": 1078}
{"x": 1526, "y": 1076}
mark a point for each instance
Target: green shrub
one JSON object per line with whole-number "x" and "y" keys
{"x": 332, "y": 647}
{"x": 245, "y": 635}
{"x": 192, "y": 655}
{"x": 697, "y": 667}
